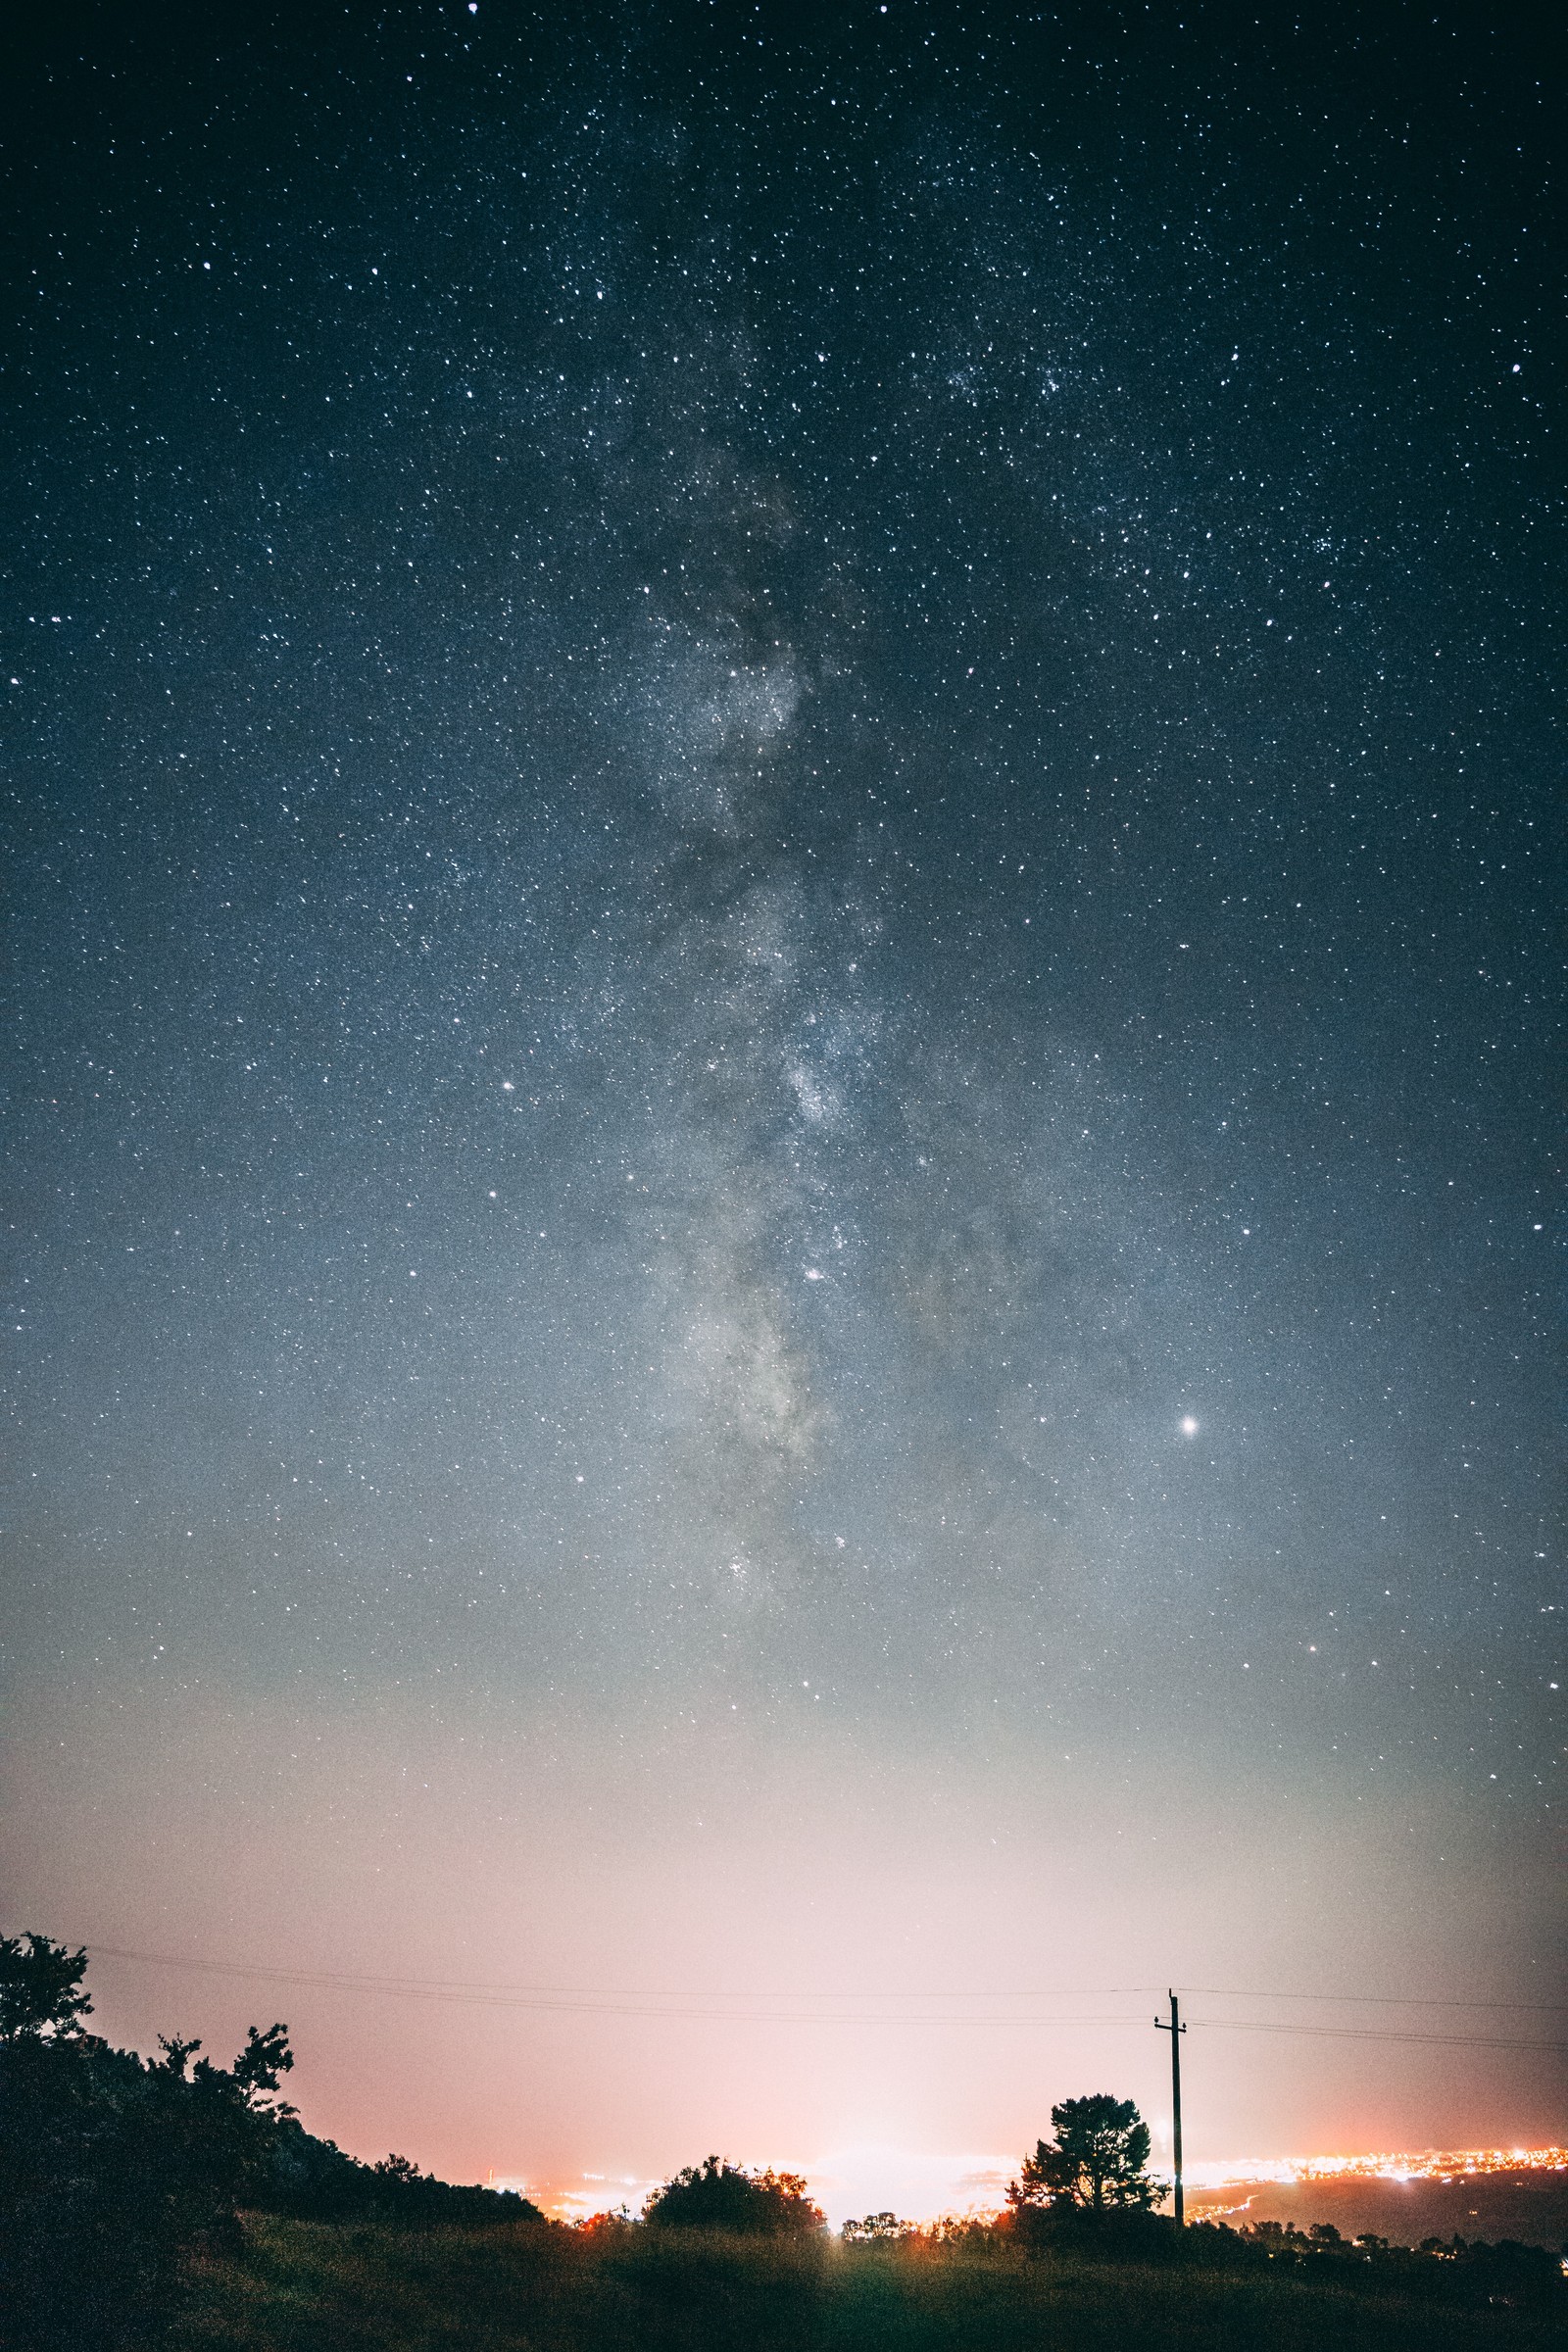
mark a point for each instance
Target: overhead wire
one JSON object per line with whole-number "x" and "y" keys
{"x": 1452, "y": 2041}
{"x": 833, "y": 2009}
{"x": 1381, "y": 2000}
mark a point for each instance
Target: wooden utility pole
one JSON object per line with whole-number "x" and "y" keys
{"x": 1175, "y": 2029}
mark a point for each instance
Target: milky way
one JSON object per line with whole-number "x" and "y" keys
{"x": 784, "y": 874}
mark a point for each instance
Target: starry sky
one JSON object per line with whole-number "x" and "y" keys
{"x": 780, "y": 1133}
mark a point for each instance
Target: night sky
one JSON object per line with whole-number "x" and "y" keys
{"x": 782, "y": 1123}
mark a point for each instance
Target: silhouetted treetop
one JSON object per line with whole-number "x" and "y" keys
{"x": 719, "y": 2195}
{"x": 1099, "y": 2158}
{"x": 878, "y": 2229}
{"x": 40, "y": 1988}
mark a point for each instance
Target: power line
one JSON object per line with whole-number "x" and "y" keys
{"x": 469, "y": 1989}
{"x": 1380, "y": 2000}
{"x": 741, "y": 2009}
{"x": 478, "y": 1985}
{"x": 1452, "y": 2041}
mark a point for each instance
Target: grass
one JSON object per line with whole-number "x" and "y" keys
{"x": 307, "y": 2286}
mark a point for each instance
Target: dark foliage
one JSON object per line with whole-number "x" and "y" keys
{"x": 1454, "y": 2272}
{"x": 117, "y": 2172}
{"x": 1099, "y": 2158}
{"x": 719, "y": 2195}
{"x": 1107, "y": 2233}
{"x": 113, "y": 2169}
{"x": 302, "y": 2287}
{"x": 1457, "y": 2269}
{"x": 314, "y": 2181}
{"x": 40, "y": 1988}
{"x": 878, "y": 2229}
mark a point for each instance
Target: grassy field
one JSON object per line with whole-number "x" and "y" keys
{"x": 303, "y": 2286}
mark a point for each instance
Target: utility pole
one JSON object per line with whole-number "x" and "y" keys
{"x": 1175, "y": 2029}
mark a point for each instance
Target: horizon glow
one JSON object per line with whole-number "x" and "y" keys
{"x": 932, "y": 2187}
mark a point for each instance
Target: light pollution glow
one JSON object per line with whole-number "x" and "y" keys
{"x": 1426, "y": 2164}
{"x": 928, "y": 2188}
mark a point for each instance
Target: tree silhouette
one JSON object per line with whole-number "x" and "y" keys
{"x": 719, "y": 2195}
{"x": 40, "y": 1988}
{"x": 878, "y": 2229}
{"x": 1098, "y": 2160}
{"x": 115, "y": 2169}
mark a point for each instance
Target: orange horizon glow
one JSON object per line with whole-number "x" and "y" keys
{"x": 1424, "y": 2163}
{"x": 844, "y": 2183}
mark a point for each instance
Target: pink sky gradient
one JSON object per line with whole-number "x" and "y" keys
{"x": 796, "y": 1959}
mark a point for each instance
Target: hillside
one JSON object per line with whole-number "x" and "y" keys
{"x": 316, "y": 2287}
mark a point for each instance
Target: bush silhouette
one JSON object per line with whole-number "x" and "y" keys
{"x": 719, "y": 2195}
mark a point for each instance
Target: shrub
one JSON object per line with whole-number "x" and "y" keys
{"x": 719, "y": 2195}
